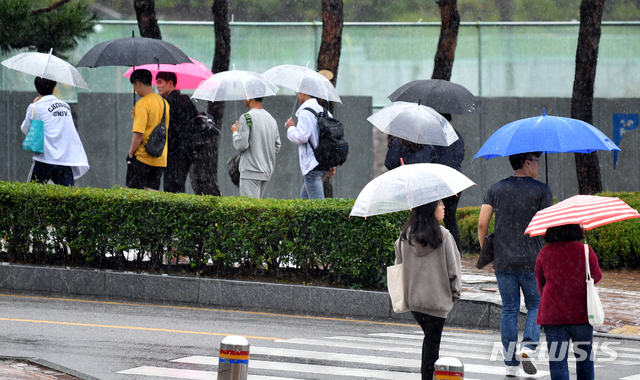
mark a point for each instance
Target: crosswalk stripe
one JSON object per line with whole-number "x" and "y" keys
{"x": 413, "y": 341}
{"x": 445, "y": 338}
{"x": 410, "y": 363}
{"x": 189, "y": 374}
{"x": 384, "y": 347}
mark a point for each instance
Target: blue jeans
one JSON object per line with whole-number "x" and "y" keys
{"x": 58, "y": 174}
{"x": 509, "y": 285}
{"x": 312, "y": 186}
{"x": 558, "y": 345}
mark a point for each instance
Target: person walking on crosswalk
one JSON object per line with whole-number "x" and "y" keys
{"x": 432, "y": 276}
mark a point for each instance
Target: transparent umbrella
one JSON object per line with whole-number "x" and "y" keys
{"x": 414, "y": 122}
{"x": 46, "y": 66}
{"x": 303, "y": 79}
{"x": 235, "y": 85}
{"x": 409, "y": 186}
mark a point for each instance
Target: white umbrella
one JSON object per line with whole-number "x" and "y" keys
{"x": 303, "y": 79}
{"x": 46, "y": 66}
{"x": 409, "y": 186}
{"x": 414, "y": 122}
{"x": 234, "y": 85}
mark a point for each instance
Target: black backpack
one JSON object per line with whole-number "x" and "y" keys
{"x": 332, "y": 149}
{"x": 202, "y": 126}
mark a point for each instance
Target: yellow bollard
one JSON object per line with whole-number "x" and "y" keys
{"x": 233, "y": 361}
{"x": 448, "y": 368}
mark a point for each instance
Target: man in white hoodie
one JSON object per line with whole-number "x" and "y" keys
{"x": 306, "y": 135}
{"x": 64, "y": 159}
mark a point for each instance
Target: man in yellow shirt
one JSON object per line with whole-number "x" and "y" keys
{"x": 143, "y": 170}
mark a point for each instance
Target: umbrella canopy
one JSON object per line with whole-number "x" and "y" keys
{"x": 441, "y": 95}
{"x": 409, "y": 186}
{"x": 189, "y": 75}
{"x": 46, "y": 66}
{"x": 133, "y": 51}
{"x": 549, "y": 134}
{"x": 234, "y": 85}
{"x": 589, "y": 211}
{"x": 414, "y": 122}
{"x": 303, "y": 79}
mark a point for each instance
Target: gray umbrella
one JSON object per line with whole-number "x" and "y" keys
{"x": 441, "y": 95}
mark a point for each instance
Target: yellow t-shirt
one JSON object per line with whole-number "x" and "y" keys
{"x": 147, "y": 113}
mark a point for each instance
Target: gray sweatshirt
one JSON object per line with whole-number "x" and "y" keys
{"x": 431, "y": 276}
{"x": 258, "y": 145}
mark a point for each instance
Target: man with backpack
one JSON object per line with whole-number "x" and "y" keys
{"x": 306, "y": 135}
{"x": 256, "y": 137}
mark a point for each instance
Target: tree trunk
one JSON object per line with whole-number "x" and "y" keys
{"x": 448, "y": 39}
{"x": 204, "y": 172}
{"x": 587, "y": 167}
{"x": 329, "y": 56}
{"x": 505, "y": 8}
{"x": 147, "y": 22}
{"x": 331, "y": 45}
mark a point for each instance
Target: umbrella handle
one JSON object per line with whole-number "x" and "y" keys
{"x": 295, "y": 103}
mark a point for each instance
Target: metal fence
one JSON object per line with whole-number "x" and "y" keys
{"x": 533, "y": 59}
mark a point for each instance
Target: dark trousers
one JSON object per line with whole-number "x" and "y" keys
{"x": 58, "y": 174}
{"x": 175, "y": 174}
{"x": 450, "y": 219}
{"x": 432, "y": 328}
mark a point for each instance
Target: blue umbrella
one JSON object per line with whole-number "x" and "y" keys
{"x": 548, "y": 134}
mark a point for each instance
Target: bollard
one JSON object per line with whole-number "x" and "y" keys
{"x": 448, "y": 368}
{"x": 233, "y": 361}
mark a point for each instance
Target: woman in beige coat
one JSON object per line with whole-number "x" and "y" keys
{"x": 431, "y": 268}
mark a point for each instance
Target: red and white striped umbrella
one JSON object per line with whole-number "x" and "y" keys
{"x": 589, "y": 211}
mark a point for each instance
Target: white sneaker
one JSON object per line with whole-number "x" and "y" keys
{"x": 511, "y": 371}
{"x": 526, "y": 356}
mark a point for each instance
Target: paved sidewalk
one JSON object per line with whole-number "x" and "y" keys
{"x": 619, "y": 294}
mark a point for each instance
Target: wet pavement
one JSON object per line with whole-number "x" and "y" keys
{"x": 619, "y": 293}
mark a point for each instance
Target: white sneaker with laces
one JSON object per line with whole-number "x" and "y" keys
{"x": 526, "y": 356}
{"x": 511, "y": 371}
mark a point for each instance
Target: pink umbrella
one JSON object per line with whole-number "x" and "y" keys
{"x": 589, "y": 211}
{"x": 189, "y": 75}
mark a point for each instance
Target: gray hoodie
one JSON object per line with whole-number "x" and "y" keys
{"x": 431, "y": 276}
{"x": 258, "y": 145}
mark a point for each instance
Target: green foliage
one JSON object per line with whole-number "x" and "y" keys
{"x": 616, "y": 245}
{"x": 95, "y": 227}
{"x": 59, "y": 29}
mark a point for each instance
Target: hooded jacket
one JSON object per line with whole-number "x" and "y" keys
{"x": 432, "y": 277}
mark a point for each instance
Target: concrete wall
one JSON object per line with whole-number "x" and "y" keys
{"x": 104, "y": 124}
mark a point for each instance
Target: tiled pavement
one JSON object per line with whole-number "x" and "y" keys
{"x": 619, "y": 294}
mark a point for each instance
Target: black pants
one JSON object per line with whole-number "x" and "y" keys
{"x": 432, "y": 328}
{"x": 450, "y": 219}
{"x": 175, "y": 174}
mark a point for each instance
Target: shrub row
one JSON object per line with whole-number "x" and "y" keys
{"x": 100, "y": 228}
{"x": 96, "y": 227}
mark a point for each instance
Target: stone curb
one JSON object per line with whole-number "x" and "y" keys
{"x": 314, "y": 300}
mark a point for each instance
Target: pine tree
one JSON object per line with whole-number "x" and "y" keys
{"x": 59, "y": 25}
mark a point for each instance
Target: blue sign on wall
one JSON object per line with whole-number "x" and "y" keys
{"x": 622, "y": 122}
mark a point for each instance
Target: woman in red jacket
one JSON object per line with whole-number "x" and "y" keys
{"x": 561, "y": 273}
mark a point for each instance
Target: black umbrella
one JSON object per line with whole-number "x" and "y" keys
{"x": 133, "y": 51}
{"x": 441, "y": 95}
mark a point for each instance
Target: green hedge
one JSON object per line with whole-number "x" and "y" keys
{"x": 94, "y": 227}
{"x": 617, "y": 245}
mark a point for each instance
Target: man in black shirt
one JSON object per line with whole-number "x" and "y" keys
{"x": 181, "y": 136}
{"x": 515, "y": 200}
